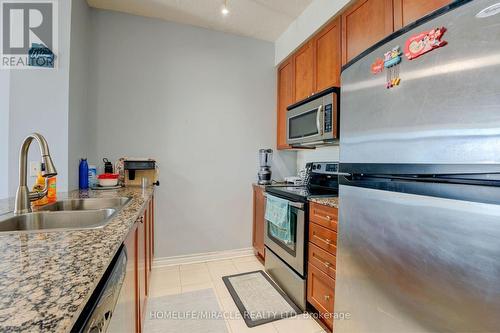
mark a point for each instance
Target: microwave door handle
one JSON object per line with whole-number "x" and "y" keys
{"x": 318, "y": 120}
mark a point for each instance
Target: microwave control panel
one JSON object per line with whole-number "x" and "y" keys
{"x": 328, "y": 118}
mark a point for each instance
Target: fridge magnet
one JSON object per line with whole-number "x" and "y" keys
{"x": 377, "y": 66}
{"x": 392, "y": 60}
{"x": 424, "y": 42}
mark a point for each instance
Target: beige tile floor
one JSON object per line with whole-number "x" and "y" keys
{"x": 185, "y": 278}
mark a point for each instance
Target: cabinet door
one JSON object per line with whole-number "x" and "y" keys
{"x": 126, "y": 313}
{"x": 327, "y": 56}
{"x": 285, "y": 98}
{"x": 303, "y": 72}
{"x": 259, "y": 207}
{"x": 408, "y": 11}
{"x": 321, "y": 293}
{"x": 147, "y": 236}
{"x": 363, "y": 24}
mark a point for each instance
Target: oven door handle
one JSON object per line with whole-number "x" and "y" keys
{"x": 294, "y": 204}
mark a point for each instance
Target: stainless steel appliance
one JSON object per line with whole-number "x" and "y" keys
{"x": 285, "y": 261}
{"x": 419, "y": 231}
{"x": 98, "y": 311}
{"x": 314, "y": 121}
{"x": 265, "y": 158}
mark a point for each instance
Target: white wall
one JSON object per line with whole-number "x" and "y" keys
{"x": 314, "y": 17}
{"x": 82, "y": 141}
{"x": 202, "y": 103}
{"x": 39, "y": 102}
{"x": 4, "y": 132}
{"x": 322, "y": 154}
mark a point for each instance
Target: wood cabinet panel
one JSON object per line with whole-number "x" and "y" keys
{"x": 259, "y": 207}
{"x": 286, "y": 93}
{"x": 303, "y": 72}
{"x": 324, "y": 215}
{"x": 327, "y": 56}
{"x": 363, "y": 24}
{"x": 141, "y": 268}
{"x": 408, "y": 11}
{"x": 323, "y": 237}
{"x": 322, "y": 260}
{"x": 321, "y": 293}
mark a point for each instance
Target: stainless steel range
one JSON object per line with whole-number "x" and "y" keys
{"x": 285, "y": 257}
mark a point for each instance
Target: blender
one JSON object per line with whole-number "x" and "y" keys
{"x": 265, "y": 156}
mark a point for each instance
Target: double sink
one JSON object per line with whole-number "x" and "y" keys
{"x": 91, "y": 213}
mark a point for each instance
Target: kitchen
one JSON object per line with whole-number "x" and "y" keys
{"x": 378, "y": 113}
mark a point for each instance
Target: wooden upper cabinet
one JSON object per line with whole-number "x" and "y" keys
{"x": 363, "y": 24}
{"x": 286, "y": 87}
{"x": 304, "y": 72}
{"x": 327, "y": 56}
{"x": 408, "y": 11}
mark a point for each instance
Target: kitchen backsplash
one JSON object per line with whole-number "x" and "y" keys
{"x": 323, "y": 154}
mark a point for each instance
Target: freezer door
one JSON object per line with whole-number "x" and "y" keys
{"x": 446, "y": 109}
{"x": 413, "y": 263}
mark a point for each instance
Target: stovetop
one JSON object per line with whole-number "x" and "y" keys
{"x": 300, "y": 193}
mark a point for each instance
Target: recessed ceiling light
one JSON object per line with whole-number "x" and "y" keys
{"x": 224, "y": 9}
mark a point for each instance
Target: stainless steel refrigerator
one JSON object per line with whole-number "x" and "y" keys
{"x": 419, "y": 233}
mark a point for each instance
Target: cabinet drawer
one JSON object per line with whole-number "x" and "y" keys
{"x": 322, "y": 260}
{"x": 323, "y": 237}
{"x": 321, "y": 293}
{"x": 324, "y": 215}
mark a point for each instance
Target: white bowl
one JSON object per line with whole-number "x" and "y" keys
{"x": 108, "y": 182}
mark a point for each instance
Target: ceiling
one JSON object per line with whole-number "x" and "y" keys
{"x": 261, "y": 19}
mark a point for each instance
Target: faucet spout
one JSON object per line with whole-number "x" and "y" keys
{"x": 23, "y": 195}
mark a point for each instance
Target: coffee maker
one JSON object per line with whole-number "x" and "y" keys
{"x": 136, "y": 169}
{"x": 265, "y": 157}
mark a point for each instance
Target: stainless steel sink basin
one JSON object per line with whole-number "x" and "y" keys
{"x": 44, "y": 220}
{"x": 86, "y": 204}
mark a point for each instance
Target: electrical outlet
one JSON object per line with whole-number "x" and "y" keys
{"x": 35, "y": 168}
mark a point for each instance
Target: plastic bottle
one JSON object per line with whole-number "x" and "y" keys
{"x": 92, "y": 176}
{"x": 52, "y": 191}
{"x": 39, "y": 187}
{"x": 83, "y": 174}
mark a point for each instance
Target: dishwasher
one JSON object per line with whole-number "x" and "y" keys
{"x": 98, "y": 311}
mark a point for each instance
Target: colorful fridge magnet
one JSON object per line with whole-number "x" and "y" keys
{"x": 377, "y": 66}
{"x": 424, "y": 42}
{"x": 392, "y": 59}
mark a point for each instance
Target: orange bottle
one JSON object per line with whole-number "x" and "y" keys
{"x": 52, "y": 192}
{"x": 39, "y": 187}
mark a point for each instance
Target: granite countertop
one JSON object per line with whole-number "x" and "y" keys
{"x": 46, "y": 278}
{"x": 330, "y": 201}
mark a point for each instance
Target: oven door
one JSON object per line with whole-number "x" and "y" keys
{"x": 305, "y": 123}
{"x": 290, "y": 251}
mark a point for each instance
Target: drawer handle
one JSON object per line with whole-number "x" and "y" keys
{"x": 327, "y": 264}
{"x": 327, "y": 241}
{"x": 327, "y": 298}
{"x": 328, "y": 217}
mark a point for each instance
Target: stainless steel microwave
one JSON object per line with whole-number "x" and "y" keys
{"x": 315, "y": 120}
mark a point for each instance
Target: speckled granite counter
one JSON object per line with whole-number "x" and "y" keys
{"x": 330, "y": 202}
{"x": 46, "y": 278}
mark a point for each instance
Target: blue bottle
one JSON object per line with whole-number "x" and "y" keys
{"x": 83, "y": 174}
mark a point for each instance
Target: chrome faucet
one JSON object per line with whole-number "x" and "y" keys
{"x": 23, "y": 195}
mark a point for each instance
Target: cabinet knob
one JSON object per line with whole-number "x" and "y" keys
{"x": 328, "y": 217}
{"x": 327, "y": 264}
{"x": 327, "y": 297}
{"x": 328, "y": 241}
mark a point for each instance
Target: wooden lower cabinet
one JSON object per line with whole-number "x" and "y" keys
{"x": 321, "y": 293}
{"x": 259, "y": 208}
{"x": 322, "y": 260}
